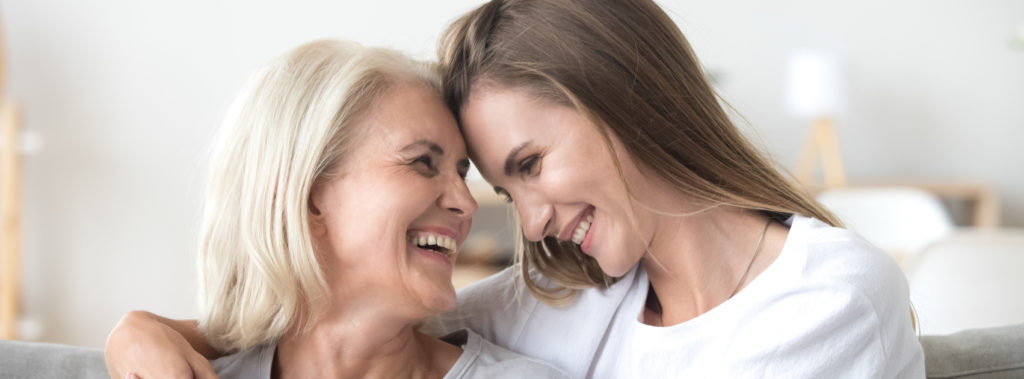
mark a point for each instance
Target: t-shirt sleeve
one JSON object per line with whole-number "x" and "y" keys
{"x": 853, "y": 314}
{"x": 835, "y": 335}
{"x": 853, "y": 322}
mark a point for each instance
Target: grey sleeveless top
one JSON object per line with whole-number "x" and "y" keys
{"x": 480, "y": 359}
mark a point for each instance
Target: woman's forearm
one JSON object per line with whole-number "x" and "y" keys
{"x": 148, "y": 346}
{"x": 190, "y": 330}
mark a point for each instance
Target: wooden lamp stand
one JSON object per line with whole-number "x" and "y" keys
{"x": 823, "y": 146}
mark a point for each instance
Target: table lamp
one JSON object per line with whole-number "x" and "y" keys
{"x": 813, "y": 90}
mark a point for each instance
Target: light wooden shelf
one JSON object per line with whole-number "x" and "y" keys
{"x": 983, "y": 200}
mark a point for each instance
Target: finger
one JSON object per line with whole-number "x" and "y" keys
{"x": 201, "y": 367}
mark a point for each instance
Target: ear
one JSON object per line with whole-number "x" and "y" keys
{"x": 317, "y": 225}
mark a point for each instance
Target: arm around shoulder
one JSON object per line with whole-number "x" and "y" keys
{"x": 149, "y": 345}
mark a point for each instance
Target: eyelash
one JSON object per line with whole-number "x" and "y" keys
{"x": 527, "y": 165}
{"x": 504, "y": 195}
{"x": 427, "y": 161}
{"x": 526, "y": 168}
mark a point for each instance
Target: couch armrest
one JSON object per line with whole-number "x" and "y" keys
{"x": 978, "y": 353}
{"x": 47, "y": 360}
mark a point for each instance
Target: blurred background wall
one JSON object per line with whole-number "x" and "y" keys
{"x": 123, "y": 98}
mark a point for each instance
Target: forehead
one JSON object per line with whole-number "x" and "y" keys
{"x": 494, "y": 115}
{"x": 409, "y": 112}
{"x": 497, "y": 120}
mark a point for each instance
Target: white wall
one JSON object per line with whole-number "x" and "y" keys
{"x": 126, "y": 95}
{"x": 935, "y": 89}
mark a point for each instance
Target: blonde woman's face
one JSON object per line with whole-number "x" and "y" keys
{"x": 553, "y": 163}
{"x": 388, "y": 223}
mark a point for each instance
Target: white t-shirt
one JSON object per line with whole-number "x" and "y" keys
{"x": 830, "y": 306}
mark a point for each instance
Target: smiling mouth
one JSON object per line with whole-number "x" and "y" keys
{"x": 438, "y": 243}
{"x": 581, "y": 230}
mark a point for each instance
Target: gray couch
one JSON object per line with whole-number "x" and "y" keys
{"x": 46, "y": 360}
{"x": 981, "y": 353}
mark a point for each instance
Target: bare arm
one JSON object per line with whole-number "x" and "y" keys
{"x": 190, "y": 330}
{"x": 150, "y": 346}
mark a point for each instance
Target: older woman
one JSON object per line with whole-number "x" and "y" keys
{"x": 657, "y": 241}
{"x": 335, "y": 207}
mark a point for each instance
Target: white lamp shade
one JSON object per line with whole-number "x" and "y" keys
{"x": 814, "y": 84}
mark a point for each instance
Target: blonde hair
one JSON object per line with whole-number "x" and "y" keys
{"x": 289, "y": 127}
{"x": 625, "y": 66}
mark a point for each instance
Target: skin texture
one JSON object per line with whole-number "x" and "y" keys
{"x": 388, "y": 185}
{"x": 696, "y": 256}
{"x": 141, "y": 341}
{"x": 559, "y": 153}
{"x": 403, "y": 175}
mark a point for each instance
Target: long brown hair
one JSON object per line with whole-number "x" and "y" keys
{"x": 627, "y": 67}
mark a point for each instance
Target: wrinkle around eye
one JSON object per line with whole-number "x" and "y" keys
{"x": 425, "y": 165}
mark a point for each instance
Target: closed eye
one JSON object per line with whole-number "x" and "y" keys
{"x": 425, "y": 162}
{"x": 528, "y": 164}
{"x": 463, "y": 168}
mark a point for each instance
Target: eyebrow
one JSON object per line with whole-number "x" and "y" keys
{"x": 510, "y": 159}
{"x": 434, "y": 147}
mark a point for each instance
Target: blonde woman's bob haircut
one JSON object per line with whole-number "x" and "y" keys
{"x": 290, "y": 126}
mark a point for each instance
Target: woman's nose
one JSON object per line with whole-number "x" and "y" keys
{"x": 458, "y": 200}
{"x": 535, "y": 216}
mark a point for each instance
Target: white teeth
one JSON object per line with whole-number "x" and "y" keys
{"x": 447, "y": 243}
{"x": 582, "y": 229}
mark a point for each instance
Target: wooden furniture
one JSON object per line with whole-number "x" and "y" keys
{"x": 899, "y": 220}
{"x": 981, "y": 201}
{"x": 823, "y": 146}
{"x": 10, "y": 234}
{"x": 10, "y": 215}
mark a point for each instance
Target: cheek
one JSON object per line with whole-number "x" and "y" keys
{"x": 573, "y": 174}
{"x": 372, "y": 222}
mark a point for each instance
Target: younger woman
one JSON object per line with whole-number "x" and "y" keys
{"x": 657, "y": 241}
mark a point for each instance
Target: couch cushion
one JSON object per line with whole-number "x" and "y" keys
{"x": 46, "y": 360}
{"x": 977, "y": 353}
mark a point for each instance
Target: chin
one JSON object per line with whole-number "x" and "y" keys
{"x": 615, "y": 271}
{"x": 442, "y": 301}
{"x": 616, "y": 268}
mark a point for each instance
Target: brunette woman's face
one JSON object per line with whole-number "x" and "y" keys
{"x": 555, "y": 166}
{"x": 387, "y": 223}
